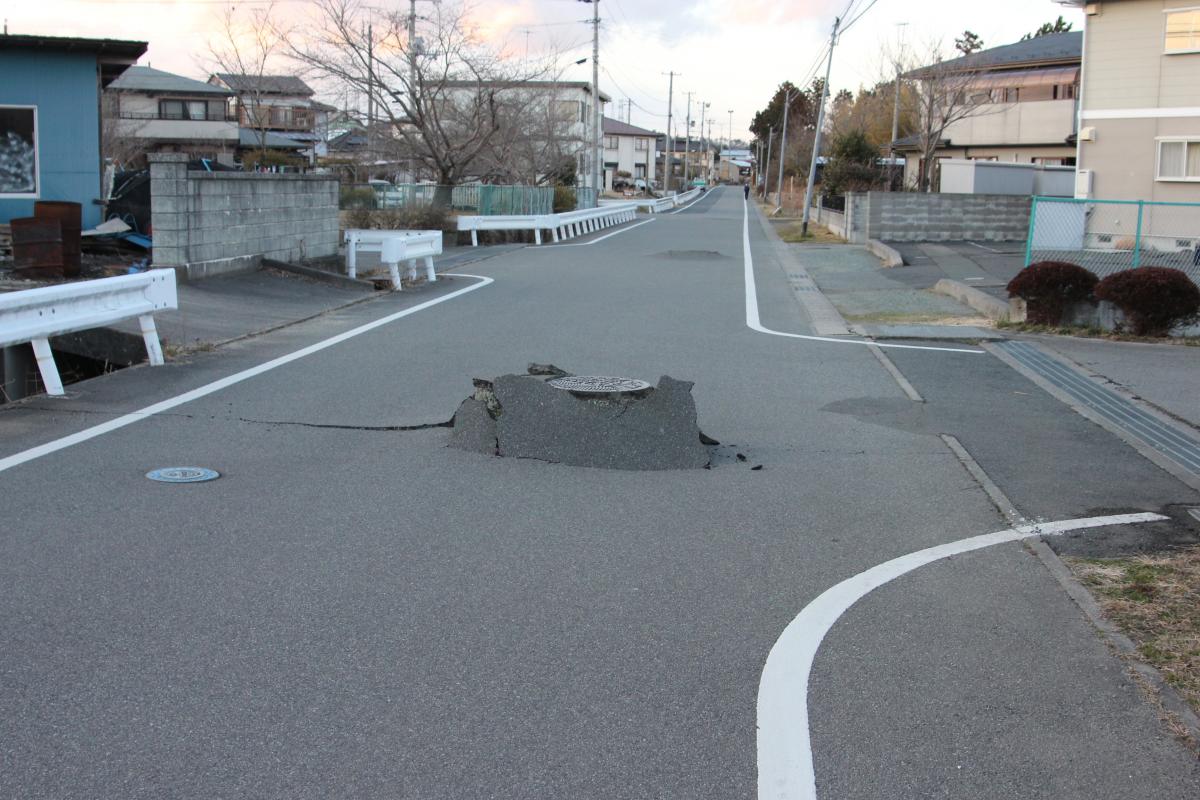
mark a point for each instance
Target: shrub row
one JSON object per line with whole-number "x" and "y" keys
{"x": 1153, "y": 299}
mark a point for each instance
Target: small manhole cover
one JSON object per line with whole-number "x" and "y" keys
{"x": 598, "y": 384}
{"x": 182, "y": 475}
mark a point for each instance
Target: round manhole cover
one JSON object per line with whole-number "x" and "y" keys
{"x": 182, "y": 475}
{"x": 598, "y": 384}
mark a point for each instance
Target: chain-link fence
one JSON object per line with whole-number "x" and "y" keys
{"x": 1107, "y": 236}
{"x": 486, "y": 199}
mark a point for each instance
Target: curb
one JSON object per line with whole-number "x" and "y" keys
{"x": 822, "y": 314}
{"x": 991, "y": 307}
{"x": 331, "y": 278}
{"x": 888, "y": 255}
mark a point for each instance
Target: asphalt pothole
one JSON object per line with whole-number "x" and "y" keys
{"x": 692, "y": 255}
{"x": 601, "y": 421}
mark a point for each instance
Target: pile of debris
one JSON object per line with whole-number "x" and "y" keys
{"x": 583, "y": 421}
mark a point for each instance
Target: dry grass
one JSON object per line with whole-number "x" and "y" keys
{"x": 1155, "y": 601}
{"x": 817, "y": 234}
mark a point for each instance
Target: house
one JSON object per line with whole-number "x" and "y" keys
{"x": 1139, "y": 136}
{"x": 734, "y": 164}
{"x": 556, "y": 118}
{"x": 628, "y": 149}
{"x": 50, "y": 119}
{"x": 1018, "y": 104}
{"x": 151, "y": 111}
{"x": 275, "y": 109}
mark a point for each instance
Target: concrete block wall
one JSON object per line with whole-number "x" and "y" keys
{"x": 208, "y": 223}
{"x": 920, "y": 217}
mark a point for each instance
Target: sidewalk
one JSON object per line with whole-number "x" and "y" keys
{"x": 896, "y": 303}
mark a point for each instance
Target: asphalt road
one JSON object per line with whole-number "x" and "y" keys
{"x": 352, "y": 612}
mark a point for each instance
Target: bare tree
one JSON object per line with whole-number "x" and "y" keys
{"x": 947, "y": 92}
{"x": 453, "y": 105}
{"x": 248, "y": 45}
{"x": 120, "y": 144}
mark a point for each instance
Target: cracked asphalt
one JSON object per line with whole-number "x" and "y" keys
{"x": 354, "y": 610}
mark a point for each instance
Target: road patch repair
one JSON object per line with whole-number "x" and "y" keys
{"x": 583, "y": 421}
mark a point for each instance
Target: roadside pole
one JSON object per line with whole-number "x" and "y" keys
{"x": 670, "y": 144}
{"x": 812, "y": 167}
{"x": 596, "y": 104}
{"x": 767, "y": 167}
{"x": 787, "y": 101}
{"x": 687, "y": 143}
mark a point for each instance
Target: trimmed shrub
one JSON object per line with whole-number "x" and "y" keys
{"x": 1048, "y": 287}
{"x": 357, "y": 197}
{"x": 1153, "y": 299}
{"x": 564, "y": 199}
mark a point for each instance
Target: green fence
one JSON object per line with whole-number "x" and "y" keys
{"x": 1108, "y": 236}
{"x": 487, "y": 199}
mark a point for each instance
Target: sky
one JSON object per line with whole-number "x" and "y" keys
{"x": 730, "y": 55}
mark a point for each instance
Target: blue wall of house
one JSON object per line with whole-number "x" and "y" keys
{"x": 65, "y": 88}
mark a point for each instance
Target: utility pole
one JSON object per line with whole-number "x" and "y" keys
{"x": 596, "y": 134}
{"x": 668, "y": 170}
{"x": 787, "y": 102}
{"x": 895, "y": 117}
{"x": 687, "y": 143}
{"x": 729, "y": 138}
{"x": 704, "y": 141}
{"x": 370, "y": 98}
{"x": 767, "y": 170}
{"x": 812, "y": 167}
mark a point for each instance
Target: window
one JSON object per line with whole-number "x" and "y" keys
{"x": 18, "y": 151}
{"x": 1183, "y": 31}
{"x": 1179, "y": 160}
{"x": 191, "y": 109}
{"x": 641, "y": 144}
{"x": 610, "y": 142}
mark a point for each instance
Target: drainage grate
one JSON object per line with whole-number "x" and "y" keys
{"x": 182, "y": 475}
{"x": 1172, "y": 442}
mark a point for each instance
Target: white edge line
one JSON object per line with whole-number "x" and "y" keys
{"x": 593, "y": 241}
{"x": 755, "y": 324}
{"x": 700, "y": 197}
{"x": 785, "y": 761}
{"x": 165, "y": 405}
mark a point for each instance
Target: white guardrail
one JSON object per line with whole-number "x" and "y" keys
{"x": 394, "y": 247}
{"x": 561, "y": 226}
{"x": 34, "y": 315}
{"x": 654, "y": 205}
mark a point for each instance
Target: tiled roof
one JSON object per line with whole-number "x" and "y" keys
{"x": 145, "y": 79}
{"x": 1052, "y": 48}
{"x": 267, "y": 84}
{"x": 616, "y": 127}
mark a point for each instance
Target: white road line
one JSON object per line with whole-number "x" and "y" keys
{"x": 755, "y": 324}
{"x": 785, "y": 761}
{"x": 689, "y": 205}
{"x": 593, "y": 241}
{"x": 165, "y": 405}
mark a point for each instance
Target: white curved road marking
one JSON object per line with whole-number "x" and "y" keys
{"x": 785, "y": 762}
{"x": 754, "y": 323}
{"x": 165, "y": 405}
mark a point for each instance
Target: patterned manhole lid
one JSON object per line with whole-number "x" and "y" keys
{"x": 598, "y": 384}
{"x": 182, "y": 475}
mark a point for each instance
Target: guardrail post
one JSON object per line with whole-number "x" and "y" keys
{"x": 1137, "y": 236}
{"x": 150, "y": 337}
{"x": 47, "y": 367}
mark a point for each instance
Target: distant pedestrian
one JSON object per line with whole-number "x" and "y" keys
{"x": 746, "y": 190}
